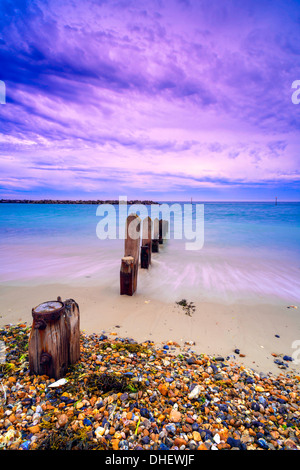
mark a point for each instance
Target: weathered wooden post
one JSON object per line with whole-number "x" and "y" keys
{"x": 72, "y": 317}
{"x": 130, "y": 260}
{"x": 146, "y": 247}
{"x": 155, "y": 239}
{"x": 163, "y": 229}
{"x": 54, "y": 341}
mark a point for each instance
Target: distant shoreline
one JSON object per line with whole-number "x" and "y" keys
{"x": 133, "y": 201}
{"x": 57, "y": 201}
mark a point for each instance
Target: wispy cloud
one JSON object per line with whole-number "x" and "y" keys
{"x": 132, "y": 96}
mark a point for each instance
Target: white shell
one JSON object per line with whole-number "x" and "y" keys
{"x": 58, "y": 383}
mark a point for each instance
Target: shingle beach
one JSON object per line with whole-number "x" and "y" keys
{"x": 124, "y": 395}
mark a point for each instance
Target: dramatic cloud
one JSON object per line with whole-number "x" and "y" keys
{"x": 161, "y": 99}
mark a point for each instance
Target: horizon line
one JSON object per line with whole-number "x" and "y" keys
{"x": 3, "y": 200}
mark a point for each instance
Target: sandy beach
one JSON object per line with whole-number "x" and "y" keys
{"x": 216, "y": 328}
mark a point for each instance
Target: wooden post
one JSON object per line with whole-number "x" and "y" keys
{"x": 163, "y": 230}
{"x": 130, "y": 260}
{"x": 146, "y": 247}
{"x": 54, "y": 341}
{"x": 155, "y": 239}
{"x": 160, "y": 239}
{"x": 72, "y": 317}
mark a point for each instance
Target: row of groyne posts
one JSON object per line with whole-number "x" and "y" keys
{"x": 54, "y": 341}
{"x": 139, "y": 247}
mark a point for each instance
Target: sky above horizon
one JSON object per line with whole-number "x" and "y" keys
{"x": 161, "y": 100}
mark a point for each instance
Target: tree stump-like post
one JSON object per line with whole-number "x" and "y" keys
{"x": 54, "y": 341}
{"x": 146, "y": 247}
{"x": 155, "y": 239}
{"x": 130, "y": 260}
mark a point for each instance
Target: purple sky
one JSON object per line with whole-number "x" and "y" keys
{"x": 162, "y": 100}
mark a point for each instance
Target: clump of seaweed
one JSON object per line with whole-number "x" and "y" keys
{"x": 7, "y": 368}
{"x": 130, "y": 347}
{"x": 188, "y": 307}
{"x": 68, "y": 439}
{"x": 99, "y": 384}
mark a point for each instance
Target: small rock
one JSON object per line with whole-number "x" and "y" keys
{"x": 175, "y": 416}
{"x": 62, "y": 419}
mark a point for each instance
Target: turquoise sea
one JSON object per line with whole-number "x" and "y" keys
{"x": 251, "y": 250}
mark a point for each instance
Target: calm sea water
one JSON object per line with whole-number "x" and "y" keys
{"x": 250, "y": 251}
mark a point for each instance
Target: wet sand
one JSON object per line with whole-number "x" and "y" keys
{"x": 216, "y": 328}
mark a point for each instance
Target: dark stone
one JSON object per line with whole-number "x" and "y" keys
{"x": 163, "y": 447}
{"x": 236, "y": 443}
{"x": 144, "y": 412}
{"x": 281, "y": 401}
{"x": 87, "y": 422}
{"x": 249, "y": 380}
{"x": 262, "y": 443}
{"x": 255, "y": 406}
{"x": 145, "y": 440}
{"x": 218, "y": 377}
{"x": 168, "y": 442}
{"x": 191, "y": 360}
{"x": 124, "y": 445}
{"x": 223, "y": 408}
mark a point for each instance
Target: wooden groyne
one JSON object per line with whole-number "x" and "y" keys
{"x": 155, "y": 239}
{"x": 153, "y": 235}
{"x": 130, "y": 260}
{"x": 146, "y": 247}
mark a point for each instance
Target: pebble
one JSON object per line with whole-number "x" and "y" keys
{"x": 174, "y": 399}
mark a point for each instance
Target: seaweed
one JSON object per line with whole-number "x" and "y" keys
{"x": 99, "y": 384}
{"x": 7, "y": 368}
{"x": 188, "y": 307}
{"x": 130, "y": 347}
{"x": 67, "y": 439}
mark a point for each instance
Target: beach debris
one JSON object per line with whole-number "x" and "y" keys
{"x": 188, "y": 307}
{"x": 237, "y": 351}
{"x": 190, "y": 343}
{"x": 292, "y": 306}
{"x": 277, "y": 336}
{"x": 58, "y": 383}
{"x": 195, "y": 392}
{"x": 125, "y": 395}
